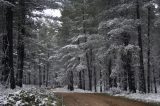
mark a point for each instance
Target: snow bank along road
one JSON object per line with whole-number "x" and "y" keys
{"x": 82, "y": 99}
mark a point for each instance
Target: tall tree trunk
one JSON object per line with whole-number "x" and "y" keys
{"x": 100, "y": 80}
{"x": 20, "y": 48}
{"x": 29, "y": 78}
{"x": 125, "y": 75}
{"x": 148, "y": 52}
{"x": 151, "y": 84}
{"x": 40, "y": 79}
{"x": 83, "y": 76}
{"x": 129, "y": 79}
{"x": 88, "y": 53}
{"x": 35, "y": 76}
{"x": 7, "y": 61}
{"x": 115, "y": 82}
{"x": 34, "y": 80}
{"x": 44, "y": 75}
{"x": 159, "y": 78}
{"x": 131, "y": 75}
{"x": 89, "y": 71}
{"x": 89, "y": 65}
{"x": 80, "y": 80}
{"x": 154, "y": 80}
{"x": 3, "y": 31}
{"x": 109, "y": 72}
{"x": 95, "y": 79}
{"x": 71, "y": 82}
{"x": 48, "y": 65}
{"x": 142, "y": 82}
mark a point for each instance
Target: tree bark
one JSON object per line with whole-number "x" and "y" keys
{"x": 71, "y": 82}
{"x": 40, "y": 76}
{"x": 148, "y": 52}
{"x": 80, "y": 80}
{"x": 83, "y": 74}
{"x": 129, "y": 80}
{"x": 100, "y": 80}
{"x": 47, "y": 77}
{"x": 95, "y": 79}
{"x": 88, "y": 55}
{"x": 131, "y": 75}
{"x": 155, "y": 82}
{"x": 110, "y": 70}
{"x": 7, "y": 61}
{"x": 142, "y": 82}
{"x": 20, "y": 48}
{"x": 44, "y": 75}
{"x": 29, "y": 78}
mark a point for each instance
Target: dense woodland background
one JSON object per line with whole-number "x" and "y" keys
{"x": 95, "y": 45}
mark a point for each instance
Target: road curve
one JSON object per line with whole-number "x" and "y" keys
{"x": 82, "y": 99}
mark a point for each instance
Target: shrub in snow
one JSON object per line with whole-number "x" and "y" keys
{"x": 30, "y": 98}
{"x": 114, "y": 91}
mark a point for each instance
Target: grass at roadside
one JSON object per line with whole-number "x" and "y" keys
{"x": 59, "y": 100}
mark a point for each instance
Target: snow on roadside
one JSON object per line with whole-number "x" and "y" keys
{"x": 151, "y": 97}
{"x": 148, "y": 97}
{"x": 65, "y": 90}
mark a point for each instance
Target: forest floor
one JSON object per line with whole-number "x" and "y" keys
{"x": 91, "y": 99}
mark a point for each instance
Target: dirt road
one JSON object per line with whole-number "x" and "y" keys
{"x": 78, "y": 99}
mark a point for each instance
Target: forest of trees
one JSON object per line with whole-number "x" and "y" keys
{"x": 95, "y": 45}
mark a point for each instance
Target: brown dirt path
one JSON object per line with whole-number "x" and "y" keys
{"x": 81, "y": 99}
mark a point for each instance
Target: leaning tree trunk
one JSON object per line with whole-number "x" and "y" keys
{"x": 7, "y": 61}
{"x": 20, "y": 48}
{"x": 142, "y": 82}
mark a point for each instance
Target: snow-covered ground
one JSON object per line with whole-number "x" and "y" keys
{"x": 151, "y": 97}
{"x": 143, "y": 97}
{"x": 65, "y": 90}
{"x": 8, "y": 95}
{"x": 148, "y": 97}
